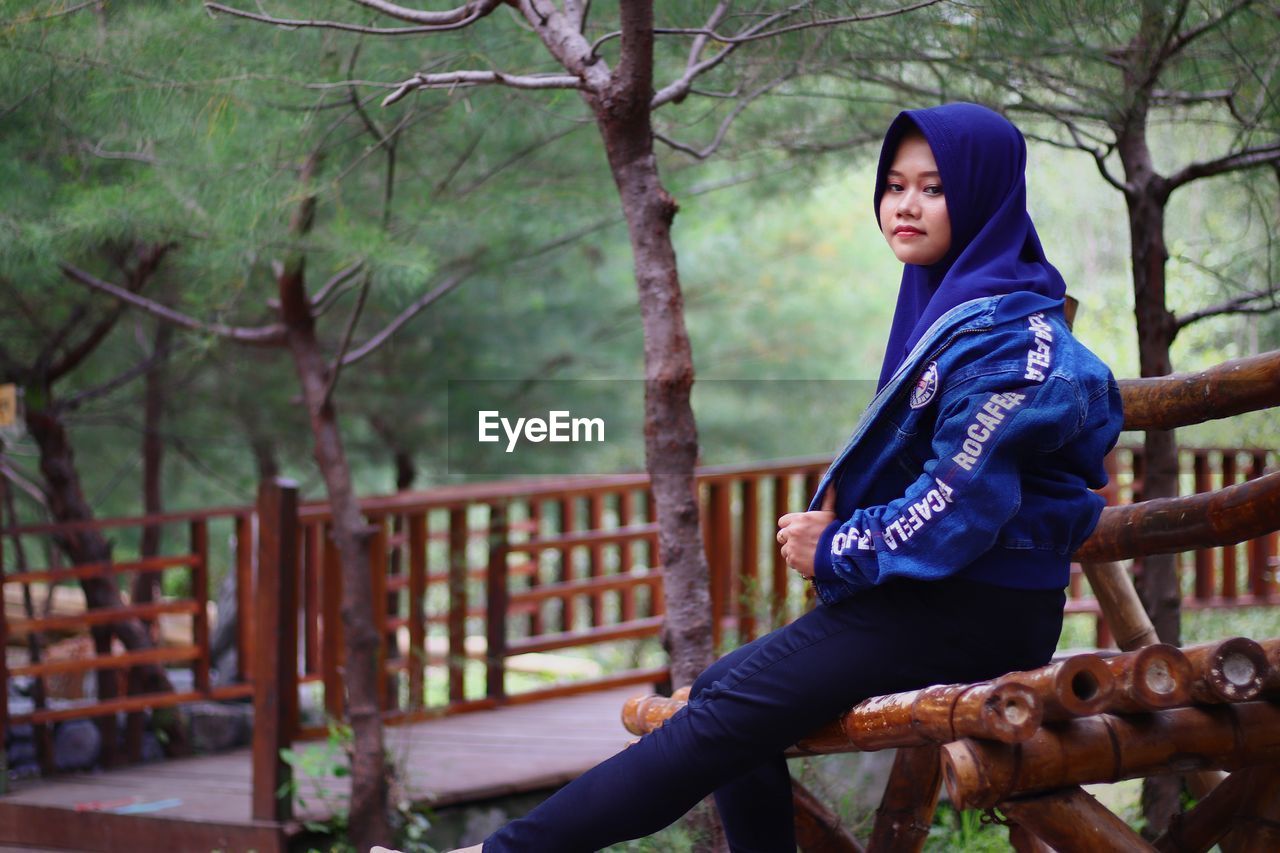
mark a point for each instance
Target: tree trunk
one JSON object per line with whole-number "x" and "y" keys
{"x": 1157, "y": 577}
{"x": 67, "y": 504}
{"x": 623, "y": 116}
{"x": 369, "y": 824}
{"x": 670, "y": 434}
{"x": 146, "y": 585}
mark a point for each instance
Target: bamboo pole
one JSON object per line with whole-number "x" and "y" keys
{"x": 1181, "y": 399}
{"x": 1073, "y": 687}
{"x": 909, "y": 800}
{"x": 1256, "y": 828}
{"x": 1227, "y": 516}
{"x": 1231, "y": 670}
{"x": 1072, "y": 821}
{"x": 1121, "y": 607}
{"x": 1108, "y": 748}
{"x": 1151, "y": 678}
{"x": 1007, "y": 712}
{"x": 818, "y": 828}
{"x": 1213, "y": 817}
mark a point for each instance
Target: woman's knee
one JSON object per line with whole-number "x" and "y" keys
{"x": 710, "y": 675}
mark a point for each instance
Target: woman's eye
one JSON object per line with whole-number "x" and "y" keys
{"x": 933, "y": 189}
{"x": 896, "y": 188}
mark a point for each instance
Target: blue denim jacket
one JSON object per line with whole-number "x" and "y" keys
{"x": 977, "y": 458}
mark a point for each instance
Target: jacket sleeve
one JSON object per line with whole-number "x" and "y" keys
{"x": 953, "y": 512}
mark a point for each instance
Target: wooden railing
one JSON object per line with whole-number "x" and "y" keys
{"x": 476, "y": 577}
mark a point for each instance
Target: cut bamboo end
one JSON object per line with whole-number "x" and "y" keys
{"x": 1232, "y": 670}
{"x": 1150, "y": 679}
{"x": 1009, "y": 712}
{"x": 1073, "y": 687}
{"x": 643, "y": 714}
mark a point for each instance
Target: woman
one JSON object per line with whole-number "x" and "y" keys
{"x": 939, "y": 540}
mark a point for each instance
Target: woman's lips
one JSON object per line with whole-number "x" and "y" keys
{"x": 907, "y": 231}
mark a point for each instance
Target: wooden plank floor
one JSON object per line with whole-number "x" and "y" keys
{"x": 451, "y": 760}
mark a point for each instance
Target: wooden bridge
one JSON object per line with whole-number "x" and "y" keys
{"x": 476, "y": 579}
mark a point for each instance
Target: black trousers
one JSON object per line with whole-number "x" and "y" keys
{"x": 759, "y": 699}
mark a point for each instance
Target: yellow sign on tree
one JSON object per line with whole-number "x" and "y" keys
{"x": 8, "y": 404}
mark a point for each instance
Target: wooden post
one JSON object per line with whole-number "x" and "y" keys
{"x": 1230, "y": 576}
{"x": 377, "y": 544}
{"x": 417, "y": 615}
{"x": 626, "y": 552}
{"x": 910, "y": 797}
{"x": 275, "y": 684}
{"x": 1204, "y": 575}
{"x": 568, "y": 610}
{"x": 456, "y": 662}
{"x": 1259, "y": 571}
{"x": 496, "y": 610}
{"x": 1072, "y": 821}
{"x": 312, "y": 552}
{"x": 534, "y": 622}
{"x": 749, "y": 571}
{"x": 246, "y": 612}
{"x": 200, "y": 592}
{"x": 335, "y": 692}
{"x": 719, "y": 557}
{"x": 781, "y": 575}
{"x": 595, "y": 556}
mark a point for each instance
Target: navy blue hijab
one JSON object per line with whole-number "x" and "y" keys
{"x": 994, "y": 247}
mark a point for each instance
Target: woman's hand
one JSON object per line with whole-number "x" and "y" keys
{"x": 798, "y": 534}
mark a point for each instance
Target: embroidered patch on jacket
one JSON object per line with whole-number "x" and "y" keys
{"x": 926, "y": 386}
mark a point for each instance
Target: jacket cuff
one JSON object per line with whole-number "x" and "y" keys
{"x": 823, "y": 571}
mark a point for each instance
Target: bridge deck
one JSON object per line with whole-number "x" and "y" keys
{"x": 202, "y": 803}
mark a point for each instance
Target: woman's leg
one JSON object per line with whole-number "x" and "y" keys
{"x": 767, "y": 695}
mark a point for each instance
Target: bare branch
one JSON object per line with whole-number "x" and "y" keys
{"x": 757, "y": 33}
{"x": 340, "y": 277}
{"x": 466, "y": 79}
{"x": 1244, "y": 159}
{"x": 462, "y": 15}
{"x": 1184, "y": 39}
{"x": 714, "y": 144}
{"x": 1170, "y": 96}
{"x": 564, "y": 40}
{"x": 48, "y": 16}
{"x": 269, "y": 335}
{"x": 118, "y": 381}
{"x": 1236, "y": 305}
{"x": 14, "y": 476}
{"x": 96, "y": 149}
{"x": 414, "y": 308}
{"x": 335, "y": 370}
{"x": 334, "y": 25}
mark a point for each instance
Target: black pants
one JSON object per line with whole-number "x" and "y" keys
{"x": 759, "y": 699}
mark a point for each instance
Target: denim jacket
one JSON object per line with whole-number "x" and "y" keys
{"x": 977, "y": 458}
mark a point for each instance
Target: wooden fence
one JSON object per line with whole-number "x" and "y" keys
{"x": 476, "y": 579}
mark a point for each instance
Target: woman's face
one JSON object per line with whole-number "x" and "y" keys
{"x": 913, "y": 210}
